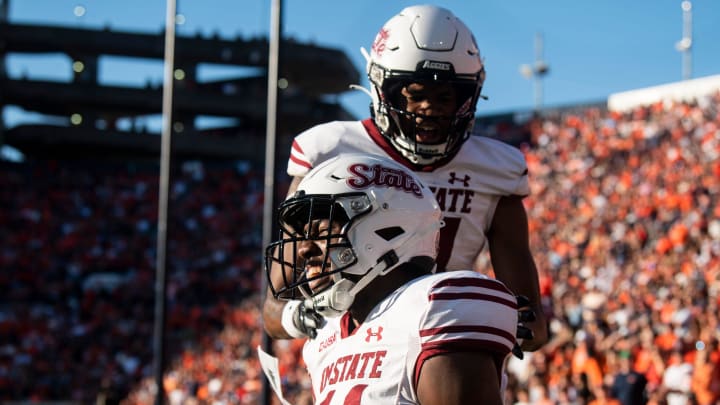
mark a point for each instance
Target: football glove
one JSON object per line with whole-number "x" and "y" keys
{"x": 300, "y": 319}
{"x": 525, "y": 314}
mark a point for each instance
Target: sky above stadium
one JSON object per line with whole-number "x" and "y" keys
{"x": 593, "y": 48}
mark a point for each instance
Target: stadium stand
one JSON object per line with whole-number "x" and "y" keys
{"x": 625, "y": 225}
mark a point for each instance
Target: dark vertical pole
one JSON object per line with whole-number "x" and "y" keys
{"x": 160, "y": 284}
{"x": 4, "y": 8}
{"x": 275, "y": 36}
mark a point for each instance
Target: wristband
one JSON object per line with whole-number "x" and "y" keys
{"x": 288, "y": 319}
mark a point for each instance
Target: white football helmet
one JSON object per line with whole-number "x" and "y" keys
{"x": 388, "y": 217}
{"x": 424, "y": 44}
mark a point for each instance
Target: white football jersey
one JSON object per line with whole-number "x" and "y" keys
{"x": 380, "y": 361}
{"x": 467, "y": 187}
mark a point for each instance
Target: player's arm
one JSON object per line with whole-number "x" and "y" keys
{"x": 272, "y": 307}
{"x": 459, "y": 378}
{"x": 513, "y": 263}
{"x": 272, "y": 316}
{"x": 465, "y": 339}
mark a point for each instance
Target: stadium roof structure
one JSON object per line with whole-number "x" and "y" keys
{"x": 683, "y": 91}
{"x": 303, "y": 103}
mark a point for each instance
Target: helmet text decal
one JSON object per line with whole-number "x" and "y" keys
{"x": 366, "y": 176}
{"x": 428, "y": 64}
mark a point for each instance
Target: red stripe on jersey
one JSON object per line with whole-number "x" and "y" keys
{"x": 468, "y": 329}
{"x": 383, "y": 143}
{"x": 380, "y": 140}
{"x": 472, "y": 282}
{"x": 464, "y": 345}
{"x": 429, "y": 350}
{"x": 296, "y": 147}
{"x": 347, "y": 327}
{"x": 449, "y": 296}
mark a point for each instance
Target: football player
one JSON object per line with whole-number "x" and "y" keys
{"x": 426, "y": 75}
{"x": 359, "y": 239}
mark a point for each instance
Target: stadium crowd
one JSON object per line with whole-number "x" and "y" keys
{"x": 78, "y": 270}
{"x": 624, "y": 222}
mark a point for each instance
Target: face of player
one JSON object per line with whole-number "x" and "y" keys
{"x": 313, "y": 252}
{"x": 431, "y": 107}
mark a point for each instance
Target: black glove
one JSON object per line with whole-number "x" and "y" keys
{"x": 525, "y": 314}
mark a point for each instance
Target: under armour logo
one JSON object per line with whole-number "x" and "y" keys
{"x": 371, "y": 334}
{"x": 453, "y": 178}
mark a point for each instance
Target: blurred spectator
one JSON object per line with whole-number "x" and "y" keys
{"x": 676, "y": 380}
{"x": 628, "y": 386}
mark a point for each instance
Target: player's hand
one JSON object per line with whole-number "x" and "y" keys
{"x": 525, "y": 314}
{"x": 305, "y": 321}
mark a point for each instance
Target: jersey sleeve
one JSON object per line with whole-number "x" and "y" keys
{"x": 502, "y": 168}
{"x": 313, "y": 146}
{"x": 467, "y": 312}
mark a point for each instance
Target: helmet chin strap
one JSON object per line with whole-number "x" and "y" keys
{"x": 337, "y": 299}
{"x": 418, "y": 157}
{"x": 334, "y": 301}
